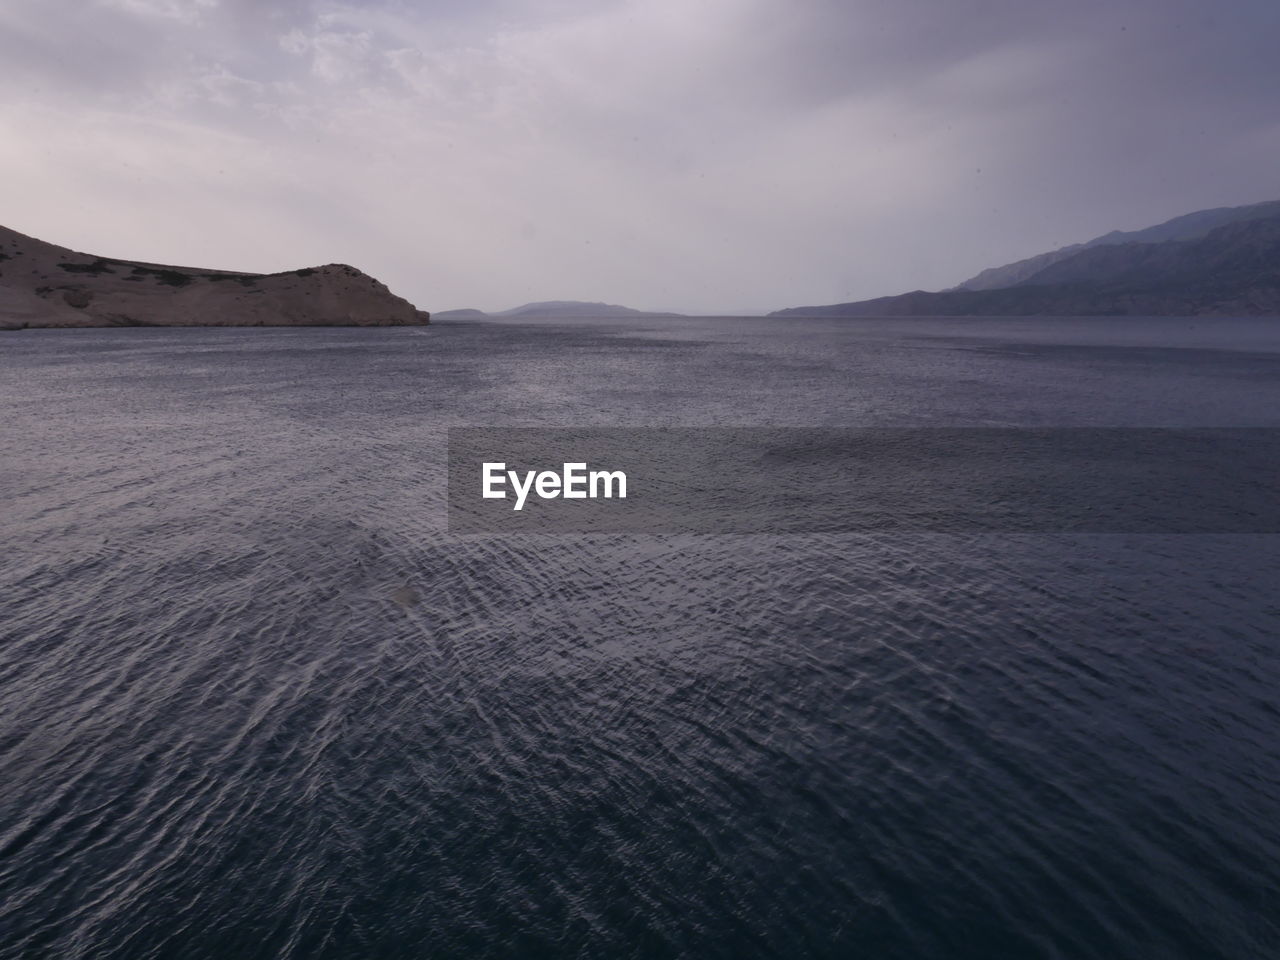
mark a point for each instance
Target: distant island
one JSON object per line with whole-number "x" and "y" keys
{"x": 556, "y": 308}
{"x": 1220, "y": 262}
{"x": 43, "y": 285}
{"x": 465, "y": 314}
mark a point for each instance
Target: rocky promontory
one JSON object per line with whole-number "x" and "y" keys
{"x": 44, "y": 285}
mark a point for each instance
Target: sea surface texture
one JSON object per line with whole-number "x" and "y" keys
{"x": 257, "y": 702}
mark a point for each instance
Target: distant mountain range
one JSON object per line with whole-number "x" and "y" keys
{"x": 1224, "y": 262}
{"x": 44, "y": 285}
{"x": 553, "y": 309}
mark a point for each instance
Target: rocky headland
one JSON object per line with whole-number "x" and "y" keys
{"x": 44, "y": 285}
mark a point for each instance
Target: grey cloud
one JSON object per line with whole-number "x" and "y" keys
{"x": 718, "y": 155}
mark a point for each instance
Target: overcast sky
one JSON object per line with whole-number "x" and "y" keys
{"x": 697, "y": 155}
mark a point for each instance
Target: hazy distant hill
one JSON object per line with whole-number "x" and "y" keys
{"x": 1230, "y": 269}
{"x": 555, "y": 308}
{"x": 466, "y": 313}
{"x": 576, "y": 308}
{"x": 1187, "y": 227}
{"x": 44, "y": 285}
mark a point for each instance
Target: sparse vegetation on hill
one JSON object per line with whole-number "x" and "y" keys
{"x": 63, "y": 288}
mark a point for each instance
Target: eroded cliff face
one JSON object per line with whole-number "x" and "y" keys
{"x": 44, "y": 285}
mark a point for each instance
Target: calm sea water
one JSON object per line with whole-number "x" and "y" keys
{"x": 256, "y": 702}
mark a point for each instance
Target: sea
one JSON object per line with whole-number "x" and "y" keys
{"x": 257, "y": 701}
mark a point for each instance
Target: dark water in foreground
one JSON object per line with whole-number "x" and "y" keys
{"x": 254, "y": 702}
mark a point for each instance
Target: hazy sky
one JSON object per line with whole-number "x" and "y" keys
{"x": 700, "y": 155}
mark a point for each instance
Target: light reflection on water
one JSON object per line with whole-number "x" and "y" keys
{"x": 255, "y": 703}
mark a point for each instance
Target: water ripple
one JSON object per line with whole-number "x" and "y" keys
{"x": 254, "y": 702}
